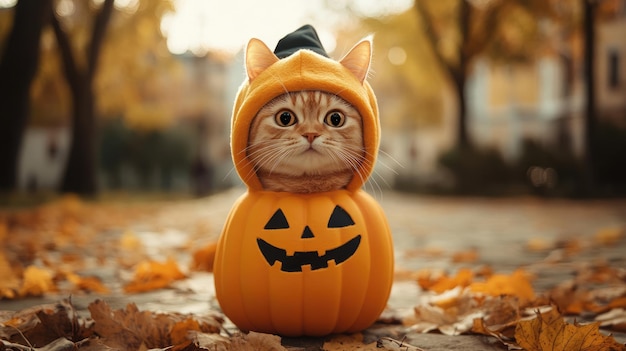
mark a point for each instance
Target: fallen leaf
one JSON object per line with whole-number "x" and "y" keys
{"x": 467, "y": 256}
{"x": 207, "y": 341}
{"x": 549, "y": 332}
{"x": 132, "y": 329}
{"x": 517, "y": 284}
{"x": 452, "y": 313}
{"x": 203, "y": 258}
{"x": 89, "y": 284}
{"x": 348, "y": 343}
{"x": 36, "y": 282}
{"x": 499, "y": 332}
{"x": 254, "y": 341}
{"x": 442, "y": 282}
{"x": 152, "y": 275}
{"x": 390, "y": 344}
{"x": 42, "y": 324}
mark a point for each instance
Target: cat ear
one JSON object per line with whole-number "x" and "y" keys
{"x": 258, "y": 58}
{"x": 358, "y": 59}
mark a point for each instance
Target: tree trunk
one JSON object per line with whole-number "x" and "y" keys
{"x": 18, "y": 66}
{"x": 80, "y": 175}
{"x": 461, "y": 74}
{"x": 589, "y": 10}
{"x": 80, "y": 172}
{"x": 456, "y": 72}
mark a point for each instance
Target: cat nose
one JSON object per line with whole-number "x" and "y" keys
{"x": 310, "y": 136}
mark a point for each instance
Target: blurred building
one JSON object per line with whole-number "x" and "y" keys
{"x": 201, "y": 103}
{"x": 544, "y": 100}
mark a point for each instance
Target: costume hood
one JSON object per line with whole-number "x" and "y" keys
{"x": 303, "y": 65}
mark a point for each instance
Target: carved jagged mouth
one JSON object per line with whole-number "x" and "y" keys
{"x": 295, "y": 262}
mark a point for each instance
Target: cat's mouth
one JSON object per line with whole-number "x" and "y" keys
{"x": 294, "y": 263}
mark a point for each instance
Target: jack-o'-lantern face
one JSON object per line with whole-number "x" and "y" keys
{"x": 339, "y": 218}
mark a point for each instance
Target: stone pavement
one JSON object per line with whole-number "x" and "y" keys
{"x": 429, "y": 232}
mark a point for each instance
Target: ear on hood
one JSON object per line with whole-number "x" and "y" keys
{"x": 258, "y": 57}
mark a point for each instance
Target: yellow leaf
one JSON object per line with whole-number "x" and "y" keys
{"x": 152, "y": 275}
{"x": 550, "y": 332}
{"x": 443, "y": 283}
{"x": 36, "y": 282}
{"x": 516, "y": 284}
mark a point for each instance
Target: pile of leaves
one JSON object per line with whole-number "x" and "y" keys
{"x": 568, "y": 316}
{"x": 65, "y": 247}
{"x": 56, "y": 327}
{"x": 506, "y": 307}
{"x": 71, "y": 248}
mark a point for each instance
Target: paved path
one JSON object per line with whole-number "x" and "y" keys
{"x": 429, "y": 232}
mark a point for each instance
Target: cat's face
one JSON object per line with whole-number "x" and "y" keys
{"x": 306, "y": 133}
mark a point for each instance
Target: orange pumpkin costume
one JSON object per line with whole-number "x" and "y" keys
{"x": 304, "y": 264}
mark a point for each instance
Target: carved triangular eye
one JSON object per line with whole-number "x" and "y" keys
{"x": 340, "y": 218}
{"x": 278, "y": 221}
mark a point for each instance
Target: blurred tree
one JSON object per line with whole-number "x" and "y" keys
{"x": 589, "y": 25}
{"x": 461, "y": 30}
{"x": 408, "y": 89}
{"x": 18, "y": 65}
{"x": 80, "y": 172}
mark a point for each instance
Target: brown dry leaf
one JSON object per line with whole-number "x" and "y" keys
{"x": 467, "y": 256}
{"x": 152, "y": 275}
{"x": 253, "y": 341}
{"x": 89, "y": 284}
{"x": 119, "y": 329}
{"x": 206, "y": 341}
{"x": 500, "y": 332}
{"x": 572, "y": 299}
{"x": 452, "y": 313}
{"x": 131, "y": 329}
{"x": 36, "y": 282}
{"x": 203, "y": 258}
{"x": 43, "y": 324}
{"x": 517, "y": 284}
{"x": 549, "y": 332}
{"x": 348, "y": 343}
{"x": 390, "y": 344}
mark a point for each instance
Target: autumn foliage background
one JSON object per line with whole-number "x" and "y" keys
{"x": 115, "y": 174}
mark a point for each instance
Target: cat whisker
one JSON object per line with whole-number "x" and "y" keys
{"x": 391, "y": 158}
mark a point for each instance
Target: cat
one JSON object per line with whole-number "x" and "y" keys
{"x": 307, "y": 141}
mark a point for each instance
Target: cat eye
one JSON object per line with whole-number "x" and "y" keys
{"x": 335, "y": 119}
{"x": 285, "y": 118}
